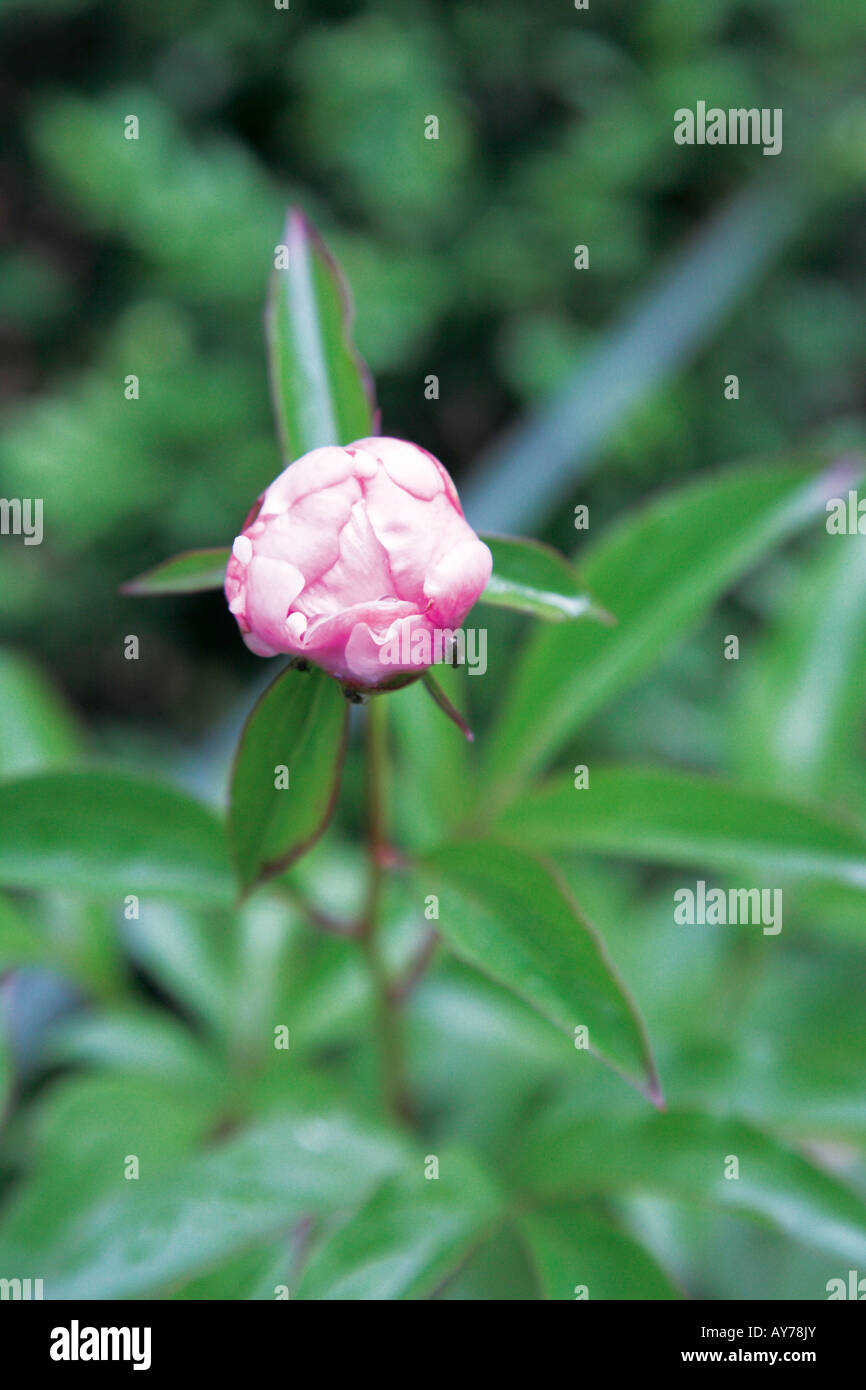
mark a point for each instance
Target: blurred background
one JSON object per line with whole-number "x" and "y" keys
{"x": 555, "y": 129}
{"x": 556, "y": 387}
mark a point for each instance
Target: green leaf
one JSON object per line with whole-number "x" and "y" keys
{"x": 321, "y": 389}
{"x": 65, "y": 934}
{"x": 533, "y": 578}
{"x": 74, "y": 1146}
{"x": 7, "y": 1071}
{"x": 191, "y": 957}
{"x": 508, "y": 915}
{"x": 499, "y": 1270}
{"x": 189, "y": 573}
{"x": 571, "y": 1246}
{"x": 803, "y": 702}
{"x": 36, "y": 730}
{"x": 109, "y": 834}
{"x": 139, "y": 1042}
{"x": 21, "y": 943}
{"x": 173, "y": 1225}
{"x": 254, "y": 1275}
{"x": 430, "y": 755}
{"x": 301, "y": 724}
{"x": 409, "y": 1237}
{"x": 658, "y": 572}
{"x": 683, "y": 819}
{"x": 685, "y": 1155}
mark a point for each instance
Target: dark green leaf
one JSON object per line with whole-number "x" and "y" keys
{"x": 300, "y": 725}
{"x": 573, "y": 1248}
{"x": 254, "y": 1275}
{"x": 189, "y": 573}
{"x": 109, "y": 834}
{"x": 510, "y": 916}
{"x": 321, "y": 389}
{"x": 498, "y": 1270}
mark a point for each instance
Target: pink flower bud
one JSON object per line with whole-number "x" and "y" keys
{"x": 349, "y": 555}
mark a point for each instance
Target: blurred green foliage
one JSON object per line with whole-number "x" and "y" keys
{"x": 555, "y": 128}
{"x": 151, "y": 257}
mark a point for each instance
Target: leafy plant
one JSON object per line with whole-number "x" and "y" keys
{"x": 377, "y": 1076}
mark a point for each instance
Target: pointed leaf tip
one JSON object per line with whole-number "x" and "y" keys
{"x": 322, "y": 389}
{"x": 191, "y": 572}
{"x": 441, "y": 699}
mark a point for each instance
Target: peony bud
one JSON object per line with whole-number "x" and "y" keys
{"x": 349, "y": 554}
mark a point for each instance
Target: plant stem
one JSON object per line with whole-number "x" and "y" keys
{"x": 389, "y": 1034}
{"x": 377, "y": 829}
{"x": 322, "y": 921}
{"x": 402, "y": 988}
{"x": 387, "y": 1014}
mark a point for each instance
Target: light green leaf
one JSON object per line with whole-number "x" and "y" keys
{"x": 254, "y": 1275}
{"x": 658, "y": 572}
{"x": 508, "y": 915}
{"x": 408, "y": 1238}
{"x": 171, "y": 1226}
{"x": 21, "y": 943}
{"x": 682, "y": 819}
{"x": 140, "y": 1042}
{"x": 685, "y": 1155}
{"x": 191, "y": 957}
{"x": 36, "y": 730}
{"x": 806, "y": 686}
{"x": 74, "y": 1142}
{"x": 321, "y": 389}
{"x": 7, "y": 1069}
{"x": 432, "y": 756}
{"x": 299, "y": 724}
{"x": 533, "y": 578}
{"x": 65, "y": 934}
{"x": 188, "y": 573}
{"x": 571, "y": 1246}
{"x": 109, "y": 834}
